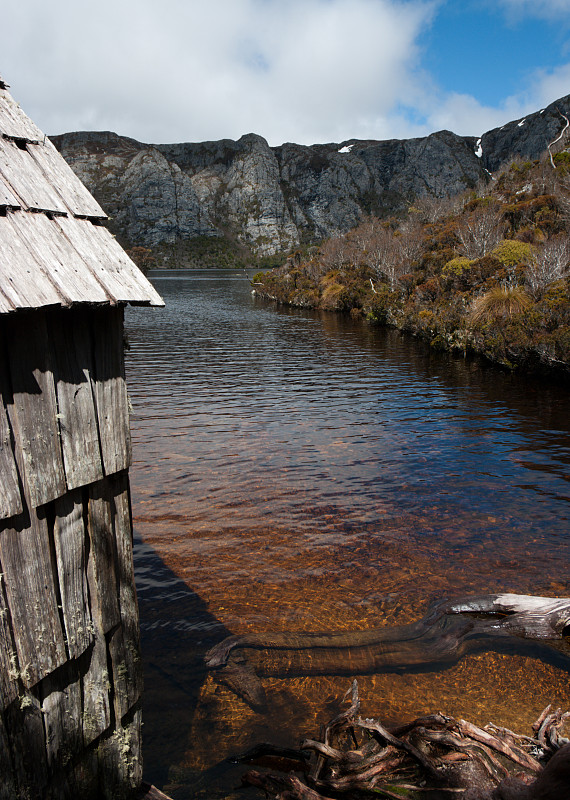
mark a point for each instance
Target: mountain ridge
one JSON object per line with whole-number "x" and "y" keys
{"x": 268, "y": 200}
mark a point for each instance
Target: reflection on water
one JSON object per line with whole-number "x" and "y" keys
{"x": 297, "y": 471}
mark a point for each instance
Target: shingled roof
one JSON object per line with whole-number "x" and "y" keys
{"x": 54, "y": 248}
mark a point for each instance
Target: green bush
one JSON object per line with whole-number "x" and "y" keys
{"x": 456, "y": 267}
{"x": 562, "y": 161}
{"x": 511, "y": 252}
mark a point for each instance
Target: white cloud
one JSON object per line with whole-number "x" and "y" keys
{"x": 292, "y": 70}
{"x": 186, "y": 70}
{"x": 465, "y": 115}
{"x": 548, "y": 85}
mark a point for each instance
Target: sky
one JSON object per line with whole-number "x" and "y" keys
{"x": 305, "y": 71}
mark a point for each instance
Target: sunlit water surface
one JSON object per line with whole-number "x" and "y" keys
{"x": 296, "y": 471}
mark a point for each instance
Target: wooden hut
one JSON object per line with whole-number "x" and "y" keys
{"x": 70, "y": 672}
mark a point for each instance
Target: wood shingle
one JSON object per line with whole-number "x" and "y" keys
{"x": 24, "y": 176}
{"x": 14, "y": 124}
{"x": 52, "y": 249}
{"x": 76, "y": 198}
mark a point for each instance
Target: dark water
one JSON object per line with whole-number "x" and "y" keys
{"x": 296, "y": 471}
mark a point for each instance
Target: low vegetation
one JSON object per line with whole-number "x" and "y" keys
{"x": 202, "y": 252}
{"x": 487, "y": 272}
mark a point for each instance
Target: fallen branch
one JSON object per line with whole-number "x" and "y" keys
{"x": 436, "y": 753}
{"x": 448, "y": 631}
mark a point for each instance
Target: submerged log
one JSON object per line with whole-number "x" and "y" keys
{"x": 435, "y": 754}
{"x": 449, "y": 630}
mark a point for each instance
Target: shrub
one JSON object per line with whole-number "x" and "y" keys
{"x": 562, "y": 161}
{"x": 529, "y": 234}
{"x": 541, "y": 211}
{"x": 551, "y": 262}
{"x": 511, "y": 252}
{"x": 456, "y": 267}
{"x": 429, "y": 290}
{"x": 480, "y": 230}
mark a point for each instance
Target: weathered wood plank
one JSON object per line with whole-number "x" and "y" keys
{"x": 23, "y": 282}
{"x": 71, "y": 338}
{"x": 110, "y": 392}
{"x": 25, "y": 730}
{"x": 52, "y": 262}
{"x": 5, "y": 305}
{"x": 29, "y": 584}
{"x": 84, "y": 776}
{"x": 122, "y": 639}
{"x": 136, "y": 287}
{"x": 26, "y": 180}
{"x": 34, "y": 411}
{"x": 8, "y": 658}
{"x": 103, "y": 556}
{"x": 60, "y": 175}
{"x": 7, "y": 197}
{"x": 62, "y": 709}
{"x": 135, "y": 743}
{"x": 70, "y": 539}
{"x": 120, "y": 277}
{"x": 59, "y": 261}
{"x": 86, "y": 243}
{"x": 95, "y": 688}
{"x": 7, "y": 784}
{"x": 62, "y": 786}
{"x": 127, "y": 591}
{"x": 10, "y": 497}
{"x": 120, "y": 760}
{"x": 96, "y": 681}
{"x": 120, "y": 677}
{"x": 13, "y": 121}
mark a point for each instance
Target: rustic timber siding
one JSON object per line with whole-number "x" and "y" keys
{"x": 70, "y": 673}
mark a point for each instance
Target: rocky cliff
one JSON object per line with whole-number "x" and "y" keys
{"x": 271, "y": 199}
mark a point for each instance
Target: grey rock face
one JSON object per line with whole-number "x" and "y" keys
{"x": 270, "y": 199}
{"x": 159, "y": 203}
{"x": 253, "y": 200}
{"x": 149, "y": 198}
{"x": 527, "y": 137}
{"x": 330, "y": 187}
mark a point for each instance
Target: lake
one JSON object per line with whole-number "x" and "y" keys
{"x": 303, "y": 471}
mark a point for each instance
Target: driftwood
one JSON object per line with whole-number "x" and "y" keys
{"x": 448, "y": 631}
{"x": 434, "y": 756}
{"x": 149, "y": 792}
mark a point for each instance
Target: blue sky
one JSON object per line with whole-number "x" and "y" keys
{"x": 491, "y": 52}
{"x": 291, "y": 70}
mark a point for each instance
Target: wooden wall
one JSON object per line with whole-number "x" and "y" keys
{"x": 70, "y": 672}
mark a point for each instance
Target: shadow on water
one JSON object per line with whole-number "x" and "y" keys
{"x": 176, "y": 631}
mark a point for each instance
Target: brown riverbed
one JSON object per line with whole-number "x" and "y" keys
{"x": 304, "y": 472}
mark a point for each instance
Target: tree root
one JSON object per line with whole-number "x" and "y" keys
{"x": 434, "y": 756}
